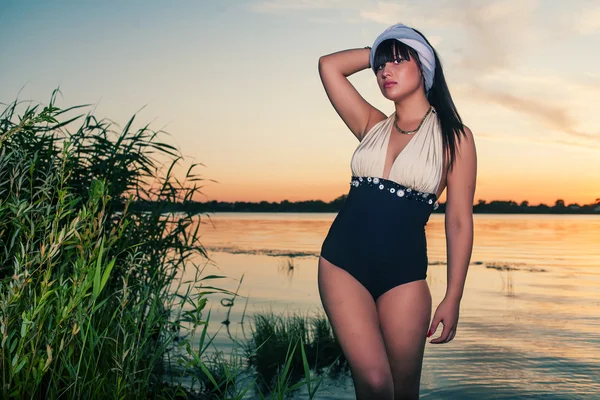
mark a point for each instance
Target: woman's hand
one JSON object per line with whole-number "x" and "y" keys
{"x": 446, "y": 313}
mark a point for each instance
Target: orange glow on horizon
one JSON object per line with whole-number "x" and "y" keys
{"x": 521, "y": 191}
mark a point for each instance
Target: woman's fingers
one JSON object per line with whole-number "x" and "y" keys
{"x": 443, "y": 336}
{"x": 434, "y": 325}
{"x": 446, "y": 336}
{"x": 452, "y": 335}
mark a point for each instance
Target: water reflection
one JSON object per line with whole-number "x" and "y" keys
{"x": 529, "y": 325}
{"x": 286, "y": 267}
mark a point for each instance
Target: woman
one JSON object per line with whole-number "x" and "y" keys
{"x": 373, "y": 262}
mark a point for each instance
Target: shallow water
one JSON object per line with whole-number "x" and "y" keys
{"x": 529, "y": 324}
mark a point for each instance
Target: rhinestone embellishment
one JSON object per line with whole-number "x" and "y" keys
{"x": 398, "y": 189}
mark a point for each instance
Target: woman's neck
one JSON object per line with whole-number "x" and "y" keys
{"x": 412, "y": 109}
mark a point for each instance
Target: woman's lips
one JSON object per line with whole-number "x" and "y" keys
{"x": 389, "y": 84}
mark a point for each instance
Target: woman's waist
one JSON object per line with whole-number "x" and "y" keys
{"x": 381, "y": 202}
{"x": 372, "y": 185}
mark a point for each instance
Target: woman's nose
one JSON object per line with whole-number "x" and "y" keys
{"x": 384, "y": 70}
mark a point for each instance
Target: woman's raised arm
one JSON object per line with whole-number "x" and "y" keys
{"x": 354, "y": 110}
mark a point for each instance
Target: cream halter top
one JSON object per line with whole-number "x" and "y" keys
{"x": 418, "y": 166}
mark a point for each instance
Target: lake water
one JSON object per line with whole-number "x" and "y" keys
{"x": 529, "y": 323}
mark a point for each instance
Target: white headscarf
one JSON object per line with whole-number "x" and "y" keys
{"x": 408, "y": 36}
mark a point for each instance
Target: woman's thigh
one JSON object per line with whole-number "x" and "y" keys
{"x": 354, "y": 319}
{"x": 404, "y": 315}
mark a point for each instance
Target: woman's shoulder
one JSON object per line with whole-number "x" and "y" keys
{"x": 468, "y": 134}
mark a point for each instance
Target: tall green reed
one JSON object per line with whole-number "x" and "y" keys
{"x": 92, "y": 290}
{"x": 284, "y": 349}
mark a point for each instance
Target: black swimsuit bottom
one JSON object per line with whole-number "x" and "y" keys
{"x": 379, "y": 234}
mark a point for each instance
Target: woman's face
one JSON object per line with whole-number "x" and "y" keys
{"x": 399, "y": 78}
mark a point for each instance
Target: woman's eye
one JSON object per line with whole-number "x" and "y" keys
{"x": 395, "y": 61}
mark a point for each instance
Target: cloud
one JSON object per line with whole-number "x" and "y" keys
{"x": 282, "y": 6}
{"x": 427, "y": 15}
{"x": 498, "y": 33}
{"x": 552, "y": 115}
{"x": 576, "y": 144}
{"x": 586, "y": 22}
{"x": 435, "y": 40}
{"x": 522, "y": 138}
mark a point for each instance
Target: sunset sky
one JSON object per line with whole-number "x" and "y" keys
{"x": 236, "y": 85}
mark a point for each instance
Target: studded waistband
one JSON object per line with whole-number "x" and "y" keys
{"x": 395, "y": 189}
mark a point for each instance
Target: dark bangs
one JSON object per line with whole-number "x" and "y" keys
{"x": 385, "y": 53}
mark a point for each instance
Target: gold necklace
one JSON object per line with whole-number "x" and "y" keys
{"x": 418, "y": 127}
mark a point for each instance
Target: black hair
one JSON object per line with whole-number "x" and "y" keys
{"x": 438, "y": 96}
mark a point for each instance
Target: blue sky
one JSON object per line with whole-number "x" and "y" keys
{"x": 235, "y": 83}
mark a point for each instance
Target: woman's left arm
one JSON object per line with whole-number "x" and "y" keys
{"x": 459, "y": 234}
{"x": 459, "y": 215}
